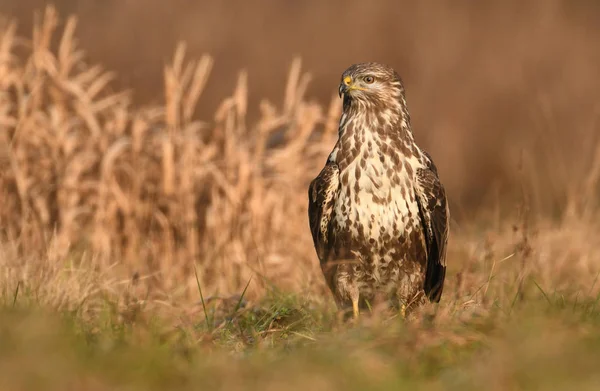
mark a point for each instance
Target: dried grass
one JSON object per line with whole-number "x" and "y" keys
{"x": 91, "y": 182}
{"x": 153, "y": 188}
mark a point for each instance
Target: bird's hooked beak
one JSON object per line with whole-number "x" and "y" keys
{"x": 348, "y": 85}
{"x": 345, "y": 86}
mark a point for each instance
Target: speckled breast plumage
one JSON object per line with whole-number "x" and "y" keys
{"x": 374, "y": 219}
{"x": 377, "y": 211}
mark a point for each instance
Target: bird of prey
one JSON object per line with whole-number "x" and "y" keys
{"x": 377, "y": 210}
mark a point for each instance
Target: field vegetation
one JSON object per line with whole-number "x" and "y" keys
{"x": 145, "y": 246}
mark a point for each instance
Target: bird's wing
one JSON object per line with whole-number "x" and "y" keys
{"x": 434, "y": 213}
{"x": 322, "y": 194}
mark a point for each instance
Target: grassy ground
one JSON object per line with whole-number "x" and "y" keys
{"x": 142, "y": 248}
{"x": 549, "y": 341}
{"x": 503, "y": 323}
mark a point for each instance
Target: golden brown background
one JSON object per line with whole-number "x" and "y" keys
{"x": 150, "y": 190}
{"x": 124, "y": 217}
{"x": 502, "y": 93}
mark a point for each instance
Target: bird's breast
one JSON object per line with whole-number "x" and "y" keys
{"x": 377, "y": 199}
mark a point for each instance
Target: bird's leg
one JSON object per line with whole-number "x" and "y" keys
{"x": 355, "y": 296}
{"x": 403, "y": 305}
{"x": 355, "y": 307}
{"x": 403, "y": 310}
{"x": 348, "y": 288}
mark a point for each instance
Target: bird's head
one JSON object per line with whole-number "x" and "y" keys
{"x": 371, "y": 82}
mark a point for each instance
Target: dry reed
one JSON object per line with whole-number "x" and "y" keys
{"x": 90, "y": 181}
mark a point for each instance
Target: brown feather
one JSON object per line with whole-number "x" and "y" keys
{"x": 322, "y": 196}
{"x": 433, "y": 208}
{"x": 377, "y": 210}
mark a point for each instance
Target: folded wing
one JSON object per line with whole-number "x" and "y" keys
{"x": 322, "y": 194}
{"x": 434, "y": 213}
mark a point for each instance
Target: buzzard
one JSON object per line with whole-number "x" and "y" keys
{"x": 377, "y": 210}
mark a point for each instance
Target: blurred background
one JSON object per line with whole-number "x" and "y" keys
{"x": 504, "y": 94}
{"x": 116, "y": 209}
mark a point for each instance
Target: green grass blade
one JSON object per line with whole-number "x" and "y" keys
{"x": 16, "y": 294}
{"x": 202, "y": 298}
{"x": 543, "y": 293}
{"x": 239, "y": 303}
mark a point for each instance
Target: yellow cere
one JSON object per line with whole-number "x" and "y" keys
{"x": 347, "y": 80}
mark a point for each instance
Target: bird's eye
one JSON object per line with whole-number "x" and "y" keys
{"x": 369, "y": 79}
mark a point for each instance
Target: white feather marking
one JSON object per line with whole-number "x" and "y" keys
{"x": 330, "y": 191}
{"x": 372, "y": 202}
{"x": 374, "y": 183}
